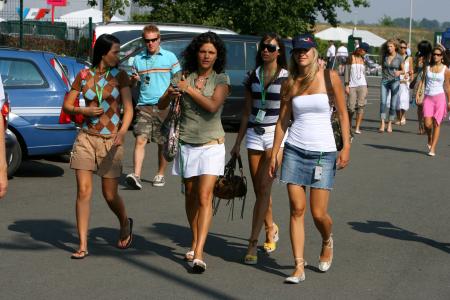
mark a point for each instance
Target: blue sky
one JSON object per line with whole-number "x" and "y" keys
{"x": 429, "y": 9}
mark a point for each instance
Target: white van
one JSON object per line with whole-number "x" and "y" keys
{"x": 126, "y": 31}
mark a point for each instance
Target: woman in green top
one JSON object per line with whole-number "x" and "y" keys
{"x": 201, "y": 157}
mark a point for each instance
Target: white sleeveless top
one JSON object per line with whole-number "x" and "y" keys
{"x": 311, "y": 129}
{"x": 357, "y": 75}
{"x": 435, "y": 82}
{"x": 406, "y": 69}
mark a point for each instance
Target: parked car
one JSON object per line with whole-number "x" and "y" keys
{"x": 126, "y": 31}
{"x": 36, "y": 84}
{"x": 13, "y": 153}
{"x": 241, "y": 53}
{"x": 72, "y": 66}
{"x": 373, "y": 68}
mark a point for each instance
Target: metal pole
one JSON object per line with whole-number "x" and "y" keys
{"x": 21, "y": 24}
{"x": 410, "y": 22}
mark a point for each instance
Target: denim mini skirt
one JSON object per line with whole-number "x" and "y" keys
{"x": 299, "y": 165}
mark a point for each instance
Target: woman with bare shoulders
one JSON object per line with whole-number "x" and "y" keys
{"x": 310, "y": 155}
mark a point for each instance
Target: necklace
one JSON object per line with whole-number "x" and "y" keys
{"x": 200, "y": 82}
{"x": 152, "y": 62}
{"x": 98, "y": 92}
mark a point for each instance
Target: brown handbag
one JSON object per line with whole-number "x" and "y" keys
{"x": 231, "y": 187}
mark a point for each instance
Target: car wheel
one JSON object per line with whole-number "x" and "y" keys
{"x": 14, "y": 160}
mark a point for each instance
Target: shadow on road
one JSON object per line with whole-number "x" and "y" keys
{"x": 385, "y": 147}
{"x": 57, "y": 233}
{"x": 33, "y": 168}
{"x": 220, "y": 246}
{"x": 387, "y": 229}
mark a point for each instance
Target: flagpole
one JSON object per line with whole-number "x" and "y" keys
{"x": 410, "y": 21}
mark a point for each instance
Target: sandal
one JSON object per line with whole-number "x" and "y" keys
{"x": 129, "y": 237}
{"x": 251, "y": 259}
{"x": 189, "y": 256}
{"x": 80, "y": 254}
{"x": 269, "y": 247}
{"x": 325, "y": 265}
{"x": 199, "y": 266}
{"x": 299, "y": 262}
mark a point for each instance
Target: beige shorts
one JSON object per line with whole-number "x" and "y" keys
{"x": 357, "y": 99}
{"x": 98, "y": 154}
{"x": 148, "y": 123}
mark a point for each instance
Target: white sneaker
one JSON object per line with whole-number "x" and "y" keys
{"x": 133, "y": 181}
{"x": 159, "y": 180}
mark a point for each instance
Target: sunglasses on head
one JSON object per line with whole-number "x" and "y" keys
{"x": 437, "y": 54}
{"x": 150, "y": 40}
{"x": 269, "y": 47}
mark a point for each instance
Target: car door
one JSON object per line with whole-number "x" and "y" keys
{"x": 36, "y": 93}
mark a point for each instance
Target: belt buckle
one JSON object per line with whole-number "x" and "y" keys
{"x": 259, "y": 130}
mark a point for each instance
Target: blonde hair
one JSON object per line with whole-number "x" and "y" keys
{"x": 384, "y": 49}
{"x": 150, "y": 28}
{"x": 294, "y": 73}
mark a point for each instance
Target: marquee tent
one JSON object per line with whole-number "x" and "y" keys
{"x": 81, "y": 17}
{"x": 341, "y": 34}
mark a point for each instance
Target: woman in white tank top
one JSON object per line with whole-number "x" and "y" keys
{"x": 435, "y": 105}
{"x": 404, "y": 95}
{"x": 309, "y": 156}
{"x": 356, "y": 85}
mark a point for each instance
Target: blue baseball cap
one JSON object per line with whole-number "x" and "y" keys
{"x": 304, "y": 41}
{"x": 364, "y": 46}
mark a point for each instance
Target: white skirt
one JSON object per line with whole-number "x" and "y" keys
{"x": 403, "y": 97}
{"x": 195, "y": 161}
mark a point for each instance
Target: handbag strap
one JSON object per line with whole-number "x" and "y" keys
{"x": 329, "y": 88}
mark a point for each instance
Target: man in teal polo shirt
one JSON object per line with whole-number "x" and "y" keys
{"x": 153, "y": 67}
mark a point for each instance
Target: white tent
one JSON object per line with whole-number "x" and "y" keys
{"x": 81, "y": 17}
{"x": 341, "y": 34}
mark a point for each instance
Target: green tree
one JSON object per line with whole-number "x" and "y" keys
{"x": 386, "y": 21}
{"x": 111, "y": 7}
{"x": 248, "y": 16}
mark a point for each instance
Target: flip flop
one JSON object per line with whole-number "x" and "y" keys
{"x": 130, "y": 236}
{"x": 80, "y": 254}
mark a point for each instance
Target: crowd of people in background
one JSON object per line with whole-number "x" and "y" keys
{"x": 286, "y": 121}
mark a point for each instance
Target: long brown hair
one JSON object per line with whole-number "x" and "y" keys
{"x": 384, "y": 49}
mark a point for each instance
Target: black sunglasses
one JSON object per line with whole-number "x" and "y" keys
{"x": 150, "y": 40}
{"x": 437, "y": 54}
{"x": 271, "y": 48}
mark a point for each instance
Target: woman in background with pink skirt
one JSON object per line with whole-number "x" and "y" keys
{"x": 435, "y": 104}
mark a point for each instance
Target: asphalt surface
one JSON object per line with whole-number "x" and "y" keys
{"x": 390, "y": 208}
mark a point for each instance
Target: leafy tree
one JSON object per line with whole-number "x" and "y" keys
{"x": 248, "y": 16}
{"x": 386, "y": 21}
{"x": 111, "y": 7}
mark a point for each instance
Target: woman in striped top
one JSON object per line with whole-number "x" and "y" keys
{"x": 262, "y": 107}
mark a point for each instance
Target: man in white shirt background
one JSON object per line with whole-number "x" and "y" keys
{"x": 331, "y": 53}
{"x": 341, "y": 57}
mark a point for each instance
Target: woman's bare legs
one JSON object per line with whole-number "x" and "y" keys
{"x": 297, "y": 204}
{"x": 433, "y": 130}
{"x": 204, "y": 187}
{"x": 116, "y": 204}
{"x": 420, "y": 119}
{"x": 322, "y": 220}
{"x": 83, "y": 205}
{"x": 191, "y": 206}
{"x": 259, "y": 162}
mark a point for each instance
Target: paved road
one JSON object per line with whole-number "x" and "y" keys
{"x": 390, "y": 207}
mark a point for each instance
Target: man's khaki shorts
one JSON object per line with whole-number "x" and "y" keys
{"x": 98, "y": 154}
{"x": 148, "y": 123}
